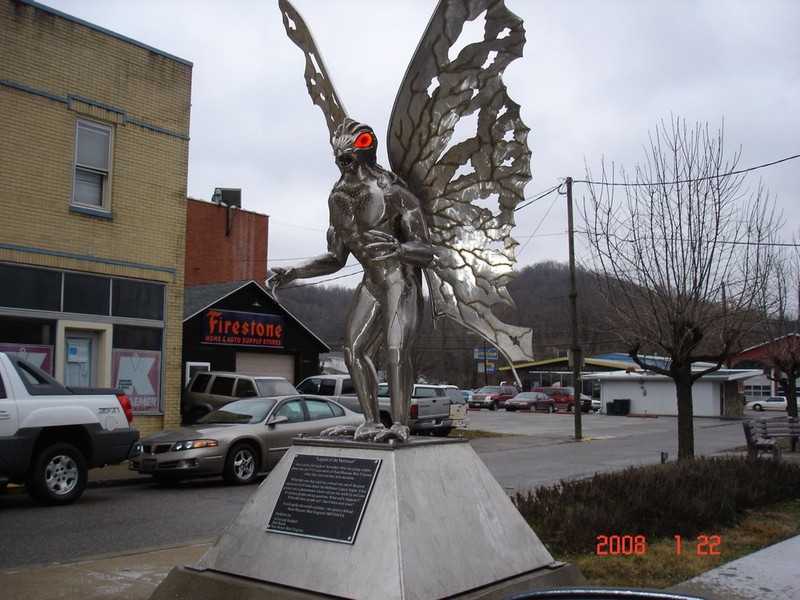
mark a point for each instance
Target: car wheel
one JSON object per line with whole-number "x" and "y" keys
{"x": 551, "y": 409}
{"x": 442, "y": 432}
{"x": 493, "y": 406}
{"x": 570, "y": 407}
{"x": 241, "y": 465}
{"x": 58, "y": 475}
{"x": 757, "y": 407}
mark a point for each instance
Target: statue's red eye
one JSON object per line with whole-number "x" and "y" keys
{"x": 364, "y": 140}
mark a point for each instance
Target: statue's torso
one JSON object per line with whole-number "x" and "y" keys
{"x": 361, "y": 202}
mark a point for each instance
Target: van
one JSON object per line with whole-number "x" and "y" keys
{"x": 210, "y": 390}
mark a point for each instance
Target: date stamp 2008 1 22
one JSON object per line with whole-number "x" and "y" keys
{"x": 614, "y": 545}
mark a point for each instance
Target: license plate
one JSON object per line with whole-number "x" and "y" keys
{"x": 149, "y": 464}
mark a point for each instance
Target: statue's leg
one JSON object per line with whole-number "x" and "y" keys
{"x": 362, "y": 339}
{"x": 404, "y": 310}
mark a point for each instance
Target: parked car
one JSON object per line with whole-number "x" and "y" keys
{"x": 771, "y": 403}
{"x": 564, "y": 398}
{"x": 492, "y": 396}
{"x": 239, "y": 440}
{"x": 210, "y": 390}
{"x": 597, "y": 405}
{"x": 530, "y": 401}
{"x": 51, "y": 435}
{"x": 429, "y": 411}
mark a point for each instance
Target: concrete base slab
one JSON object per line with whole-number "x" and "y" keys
{"x": 436, "y": 525}
{"x": 186, "y": 583}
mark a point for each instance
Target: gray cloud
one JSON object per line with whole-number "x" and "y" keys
{"x": 595, "y": 78}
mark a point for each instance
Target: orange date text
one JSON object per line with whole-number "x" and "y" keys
{"x": 627, "y": 545}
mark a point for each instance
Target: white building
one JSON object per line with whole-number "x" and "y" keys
{"x": 716, "y": 394}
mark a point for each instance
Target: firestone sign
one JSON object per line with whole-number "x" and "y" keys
{"x": 235, "y": 328}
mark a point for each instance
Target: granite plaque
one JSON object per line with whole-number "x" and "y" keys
{"x": 324, "y": 497}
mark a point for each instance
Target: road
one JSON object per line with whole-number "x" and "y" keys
{"x": 541, "y": 451}
{"x": 111, "y": 519}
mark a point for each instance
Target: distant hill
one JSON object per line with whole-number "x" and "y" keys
{"x": 444, "y": 351}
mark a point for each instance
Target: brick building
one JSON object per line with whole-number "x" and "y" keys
{"x": 231, "y": 323}
{"x": 224, "y": 243}
{"x": 93, "y": 176}
{"x": 762, "y": 357}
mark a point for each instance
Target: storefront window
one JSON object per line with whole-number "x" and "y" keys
{"x": 137, "y": 366}
{"x": 30, "y": 339}
{"x": 86, "y": 294}
{"x": 137, "y": 299}
{"x": 23, "y": 287}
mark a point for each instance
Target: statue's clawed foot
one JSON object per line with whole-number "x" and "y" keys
{"x": 368, "y": 432}
{"x": 340, "y": 431}
{"x": 395, "y": 432}
{"x": 375, "y": 432}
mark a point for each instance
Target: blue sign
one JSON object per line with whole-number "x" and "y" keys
{"x": 486, "y": 354}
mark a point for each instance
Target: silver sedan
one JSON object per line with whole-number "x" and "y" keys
{"x": 239, "y": 440}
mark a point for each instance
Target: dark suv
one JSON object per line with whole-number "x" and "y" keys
{"x": 209, "y": 390}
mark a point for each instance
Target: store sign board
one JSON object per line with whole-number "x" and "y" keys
{"x": 235, "y": 328}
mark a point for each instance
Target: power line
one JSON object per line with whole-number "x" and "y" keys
{"x": 538, "y": 197}
{"x": 682, "y": 181}
{"x": 329, "y": 279}
{"x": 541, "y": 222}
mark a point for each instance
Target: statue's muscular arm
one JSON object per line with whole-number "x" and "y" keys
{"x": 331, "y": 261}
{"x": 412, "y": 245}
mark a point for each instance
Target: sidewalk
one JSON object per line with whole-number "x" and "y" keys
{"x": 770, "y": 573}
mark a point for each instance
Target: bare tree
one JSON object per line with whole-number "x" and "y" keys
{"x": 682, "y": 257}
{"x": 782, "y": 326}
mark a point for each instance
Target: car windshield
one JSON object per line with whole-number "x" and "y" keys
{"x": 524, "y": 395}
{"x": 274, "y": 387}
{"x": 241, "y": 412}
{"x": 489, "y": 390}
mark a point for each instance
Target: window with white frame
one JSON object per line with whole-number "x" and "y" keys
{"x": 92, "y": 165}
{"x": 757, "y": 391}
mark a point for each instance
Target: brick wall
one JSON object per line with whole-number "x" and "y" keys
{"x": 217, "y": 250}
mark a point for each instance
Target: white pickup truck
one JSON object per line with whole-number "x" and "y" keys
{"x": 430, "y": 404}
{"x": 51, "y": 435}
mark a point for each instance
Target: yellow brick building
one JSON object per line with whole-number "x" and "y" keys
{"x": 94, "y": 143}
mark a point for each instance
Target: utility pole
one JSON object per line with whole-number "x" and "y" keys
{"x": 576, "y": 357}
{"x": 442, "y": 338}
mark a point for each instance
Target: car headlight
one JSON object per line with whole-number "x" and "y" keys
{"x": 192, "y": 444}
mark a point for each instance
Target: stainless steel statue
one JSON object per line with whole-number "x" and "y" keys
{"x": 424, "y": 216}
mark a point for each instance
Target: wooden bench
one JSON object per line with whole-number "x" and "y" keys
{"x": 762, "y": 435}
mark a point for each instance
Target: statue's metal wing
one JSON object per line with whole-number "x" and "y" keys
{"x": 320, "y": 87}
{"x": 470, "y": 181}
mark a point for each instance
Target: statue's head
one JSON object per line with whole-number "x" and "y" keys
{"x": 354, "y": 144}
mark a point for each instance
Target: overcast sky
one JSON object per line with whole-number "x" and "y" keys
{"x": 596, "y": 77}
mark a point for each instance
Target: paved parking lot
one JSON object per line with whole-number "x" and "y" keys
{"x": 542, "y": 448}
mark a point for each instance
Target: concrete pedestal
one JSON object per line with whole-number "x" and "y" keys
{"x": 436, "y": 525}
